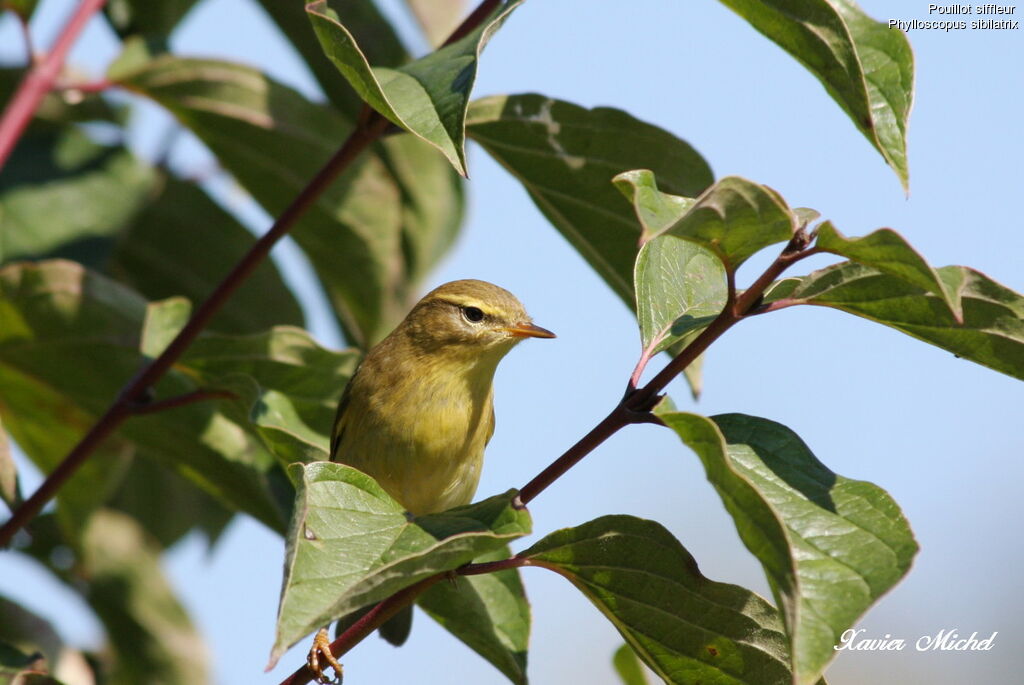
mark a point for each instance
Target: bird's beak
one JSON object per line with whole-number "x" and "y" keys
{"x": 528, "y": 330}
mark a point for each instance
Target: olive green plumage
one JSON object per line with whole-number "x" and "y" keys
{"x": 418, "y": 411}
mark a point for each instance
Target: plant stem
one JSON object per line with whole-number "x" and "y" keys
{"x": 368, "y": 623}
{"x": 181, "y": 400}
{"x": 130, "y": 396}
{"x": 636, "y": 406}
{"x": 387, "y": 608}
{"x": 40, "y": 79}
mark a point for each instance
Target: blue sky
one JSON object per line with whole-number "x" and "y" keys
{"x": 940, "y": 434}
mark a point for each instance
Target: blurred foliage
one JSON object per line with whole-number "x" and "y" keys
{"x": 104, "y": 254}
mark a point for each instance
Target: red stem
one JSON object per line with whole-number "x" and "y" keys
{"x": 40, "y": 79}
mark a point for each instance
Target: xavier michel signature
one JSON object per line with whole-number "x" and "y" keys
{"x": 946, "y": 640}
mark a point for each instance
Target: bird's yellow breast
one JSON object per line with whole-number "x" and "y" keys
{"x": 419, "y": 429}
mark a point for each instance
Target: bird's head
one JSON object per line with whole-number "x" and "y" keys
{"x": 472, "y": 317}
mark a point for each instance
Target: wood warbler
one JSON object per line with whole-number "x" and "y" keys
{"x": 418, "y": 411}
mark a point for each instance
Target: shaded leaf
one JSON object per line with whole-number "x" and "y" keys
{"x": 992, "y": 332}
{"x": 183, "y": 243}
{"x": 62, "y": 195}
{"x": 627, "y": 666}
{"x": 432, "y": 202}
{"x": 168, "y": 506}
{"x": 350, "y": 545}
{"x": 274, "y": 141}
{"x": 27, "y": 632}
{"x": 10, "y": 492}
{"x": 69, "y": 339}
{"x": 565, "y": 156}
{"x": 685, "y": 627}
{"x": 152, "y": 636}
{"x": 156, "y": 18}
{"x": 830, "y": 546}
{"x": 734, "y": 218}
{"x": 47, "y": 424}
{"x": 867, "y": 67}
{"x": 488, "y": 612}
{"x": 887, "y": 251}
{"x": 371, "y": 30}
{"x": 427, "y": 97}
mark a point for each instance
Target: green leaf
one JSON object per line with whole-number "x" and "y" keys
{"x": 680, "y": 288}
{"x": 371, "y": 29}
{"x": 285, "y": 433}
{"x": 830, "y": 546}
{"x": 23, "y": 7}
{"x": 887, "y": 251}
{"x": 46, "y": 424}
{"x": 992, "y": 332}
{"x": 437, "y": 19}
{"x": 156, "y": 18}
{"x": 432, "y": 202}
{"x": 27, "y": 632}
{"x": 488, "y": 612}
{"x": 10, "y": 492}
{"x": 867, "y": 67}
{"x": 168, "y": 506}
{"x": 427, "y": 97}
{"x": 734, "y": 218}
{"x": 351, "y": 545}
{"x": 285, "y": 360}
{"x": 183, "y": 243}
{"x": 69, "y": 340}
{"x": 274, "y": 141}
{"x": 62, "y": 195}
{"x": 565, "y": 156}
{"x": 152, "y": 636}
{"x": 628, "y": 667}
{"x": 685, "y": 627}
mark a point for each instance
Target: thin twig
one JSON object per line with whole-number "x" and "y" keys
{"x": 368, "y": 623}
{"x": 200, "y": 395}
{"x": 129, "y": 397}
{"x": 636, "y": 406}
{"x": 40, "y": 79}
{"x": 387, "y": 608}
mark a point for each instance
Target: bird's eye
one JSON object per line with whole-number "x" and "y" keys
{"x": 473, "y": 314}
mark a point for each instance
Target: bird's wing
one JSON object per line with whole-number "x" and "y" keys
{"x": 339, "y": 421}
{"x": 490, "y": 428}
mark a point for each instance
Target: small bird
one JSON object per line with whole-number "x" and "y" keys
{"x": 418, "y": 411}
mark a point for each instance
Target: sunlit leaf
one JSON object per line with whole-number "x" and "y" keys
{"x": 734, "y": 219}
{"x": 350, "y": 545}
{"x": 887, "y": 251}
{"x": 992, "y": 331}
{"x": 685, "y": 627}
{"x": 866, "y": 66}
{"x": 830, "y": 546}
{"x": 566, "y": 156}
{"x": 428, "y": 96}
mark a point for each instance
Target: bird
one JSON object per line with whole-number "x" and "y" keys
{"x": 418, "y": 411}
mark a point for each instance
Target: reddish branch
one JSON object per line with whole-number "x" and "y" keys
{"x": 634, "y": 408}
{"x": 40, "y": 79}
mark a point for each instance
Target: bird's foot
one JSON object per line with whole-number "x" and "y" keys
{"x": 321, "y": 650}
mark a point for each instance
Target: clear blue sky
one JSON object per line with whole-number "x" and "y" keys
{"x": 940, "y": 434}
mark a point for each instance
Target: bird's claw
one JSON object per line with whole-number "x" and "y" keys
{"x": 321, "y": 649}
